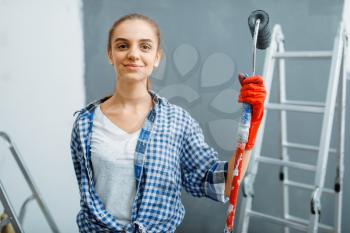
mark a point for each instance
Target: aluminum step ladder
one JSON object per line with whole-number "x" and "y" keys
{"x": 9, "y": 212}
{"x": 336, "y": 83}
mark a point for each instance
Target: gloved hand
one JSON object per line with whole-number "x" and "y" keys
{"x": 253, "y": 92}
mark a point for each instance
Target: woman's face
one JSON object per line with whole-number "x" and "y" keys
{"x": 134, "y": 50}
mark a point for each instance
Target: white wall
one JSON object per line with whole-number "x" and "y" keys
{"x": 41, "y": 85}
{"x": 346, "y": 19}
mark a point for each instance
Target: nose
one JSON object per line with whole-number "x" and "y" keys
{"x": 134, "y": 53}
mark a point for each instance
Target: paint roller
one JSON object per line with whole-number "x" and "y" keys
{"x": 258, "y": 22}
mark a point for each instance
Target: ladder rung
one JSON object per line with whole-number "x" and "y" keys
{"x": 304, "y": 54}
{"x": 297, "y": 226}
{"x": 286, "y": 163}
{"x": 305, "y": 147}
{"x": 297, "y": 108}
{"x": 303, "y": 221}
{"x": 302, "y": 102}
{"x": 306, "y": 186}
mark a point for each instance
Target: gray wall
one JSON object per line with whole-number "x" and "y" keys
{"x": 206, "y": 44}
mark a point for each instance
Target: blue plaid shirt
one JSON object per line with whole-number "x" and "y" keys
{"x": 170, "y": 153}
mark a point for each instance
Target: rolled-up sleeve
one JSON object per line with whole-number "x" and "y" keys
{"x": 203, "y": 175}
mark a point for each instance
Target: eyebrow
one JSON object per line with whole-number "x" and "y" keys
{"x": 123, "y": 39}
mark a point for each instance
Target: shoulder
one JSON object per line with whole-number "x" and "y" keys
{"x": 174, "y": 111}
{"x": 89, "y": 108}
{"x": 83, "y": 116}
{"x": 175, "y": 117}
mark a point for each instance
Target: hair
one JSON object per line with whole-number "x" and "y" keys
{"x": 134, "y": 16}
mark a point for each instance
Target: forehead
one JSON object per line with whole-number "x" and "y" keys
{"x": 135, "y": 30}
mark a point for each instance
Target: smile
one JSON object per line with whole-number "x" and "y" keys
{"x": 132, "y": 67}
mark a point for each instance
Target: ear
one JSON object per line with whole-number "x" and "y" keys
{"x": 158, "y": 57}
{"x": 109, "y": 56}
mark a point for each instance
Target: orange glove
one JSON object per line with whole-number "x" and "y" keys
{"x": 253, "y": 92}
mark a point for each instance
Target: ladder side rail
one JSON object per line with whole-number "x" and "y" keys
{"x": 327, "y": 128}
{"x": 30, "y": 182}
{"x": 341, "y": 142}
{"x": 34, "y": 190}
{"x": 9, "y": 210}
{"x": 269, "y": 64}
{"x": 283, "y": 132}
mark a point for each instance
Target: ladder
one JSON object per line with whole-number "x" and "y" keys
{"x": 336, "y": 83}
{"x": 10, "y": 217}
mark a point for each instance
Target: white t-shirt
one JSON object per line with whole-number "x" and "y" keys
{"x": 112, "y": 156}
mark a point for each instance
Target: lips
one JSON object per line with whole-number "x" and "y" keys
{"x": 132, "y": 67}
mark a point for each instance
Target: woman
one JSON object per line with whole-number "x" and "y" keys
{"x": 133, "y": 151}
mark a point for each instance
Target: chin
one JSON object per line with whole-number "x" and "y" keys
{"x": 133, "y": 77}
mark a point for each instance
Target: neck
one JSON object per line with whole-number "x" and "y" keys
{"x": 131, "y": 95}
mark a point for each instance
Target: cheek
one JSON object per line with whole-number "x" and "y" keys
{"x": 151, "y": 60}
{"x": 118, "y": 57}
